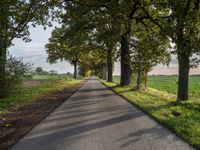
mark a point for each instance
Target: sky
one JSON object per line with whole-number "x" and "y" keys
{"x": 34, "y": 52}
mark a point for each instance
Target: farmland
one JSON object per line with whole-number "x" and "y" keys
{"x": 33, "y": 88}
{"x": 169, "y": 84}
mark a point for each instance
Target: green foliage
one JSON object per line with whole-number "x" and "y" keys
{"x": 149, "y": 49}
{"x": 39, "y": 70}
{"x": 15, "y": 19}
{"x": 15, "y": 71}
{"x": 161, "y": 106}
{"x": 181, "y": 24}
{"x": 16, "y": 16}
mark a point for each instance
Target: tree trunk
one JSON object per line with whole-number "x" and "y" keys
{"x": 145, "y": 80}
{"x": 138, "y": 81}
{"x": 2, "y": 70}
{"x": 104, "y": 71}
{"x": 125, "y": 61}
{"x": 75, "y": 69}
{"x": 110, "y": 66}
{"x": 184, "y": 67}
{"x": 3, "y": 49}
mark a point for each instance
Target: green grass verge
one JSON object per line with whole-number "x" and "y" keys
{"x": 161, "y": 106}
{"x": 26, "y": 95}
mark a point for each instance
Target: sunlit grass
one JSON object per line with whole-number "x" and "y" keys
{"x": 183, "y": 118}
{"x": 169, "y": 83}
{"x": 26, "y": 95}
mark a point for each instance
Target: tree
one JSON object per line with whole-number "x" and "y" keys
{"x": 67, "y": 45}
{"x": 39, "y": 70}
{"x": 149, "y": 48}
{"x": 182, "y": 19}
{"x": 15, "y": 19}
{"x": 117, "y": 14}
{"x": 15, "y": 70}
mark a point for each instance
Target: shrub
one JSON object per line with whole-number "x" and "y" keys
{"x": 15, "y": 69}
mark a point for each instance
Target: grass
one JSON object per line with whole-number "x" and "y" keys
{"x": 52, "y": 77}
{"x": 27, "y": 94}
{"x": 159, "y": 103}
{"x": 169, "y": 84}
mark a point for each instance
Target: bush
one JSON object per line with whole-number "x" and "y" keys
{"x": 15, "y": 71}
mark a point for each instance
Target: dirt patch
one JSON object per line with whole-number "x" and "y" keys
{"x": 16, "y": 124}
{"x": 32, "y": 83}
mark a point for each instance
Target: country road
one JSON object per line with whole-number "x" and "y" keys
{"x": 95, "y": 118}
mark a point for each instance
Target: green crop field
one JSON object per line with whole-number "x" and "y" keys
{"x": 51, "y": 77}
{"x": 169, "y": 84}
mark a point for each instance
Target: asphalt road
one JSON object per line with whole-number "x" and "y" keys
{"x": 95, "y": 118}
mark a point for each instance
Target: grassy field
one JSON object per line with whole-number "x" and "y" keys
{"x": 27, "y": 93}
{"x": 169, "y": 84}
{"x": 52, "y": 77}
{"x": 159, "y": 101}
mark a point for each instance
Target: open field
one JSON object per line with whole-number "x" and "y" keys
{"x": 159, "y": 101}
{"x": 169, "y": 84}
{"x": 52, "y": 77}
{"x": 36, "y": 87}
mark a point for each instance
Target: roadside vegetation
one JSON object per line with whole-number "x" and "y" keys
{"x": 168, "y": 83}
{"x": 93, "y": 35}
{"x": 159, "y": 102}
{"x": 32, "y": 89}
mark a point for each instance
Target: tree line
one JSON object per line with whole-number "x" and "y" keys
{"x": 94, "y": 34}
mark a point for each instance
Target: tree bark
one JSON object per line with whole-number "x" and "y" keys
{"x": 75, "y": 69}
{"x": 3, "y": 49}
{"x": 125, "y": 61}
{"x": 138, "y": 81}
{"x": 184, "y": 67}
{"x": 145, "y": 80}
{"x": 2, "y": 69}
{"x": 104, "y": 71}
{"x": 110, "y": 66}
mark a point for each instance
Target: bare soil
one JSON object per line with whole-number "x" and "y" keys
{"x": 32, "y": 83}
{"x": 14, "y": 125}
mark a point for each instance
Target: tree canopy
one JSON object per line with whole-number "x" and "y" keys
{"x": 94, "y": 34}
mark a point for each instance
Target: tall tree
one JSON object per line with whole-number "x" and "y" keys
{"x": 66, "y": 47}
{"x": 148, "y": 49}
{"x": 182, "y": 19}
{"x": 15, "y": 19}
{"x": 114, "y": 13}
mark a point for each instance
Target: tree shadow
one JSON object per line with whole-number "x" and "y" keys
{"x": 153, "y": 134}
{"x": 67, "y": 131}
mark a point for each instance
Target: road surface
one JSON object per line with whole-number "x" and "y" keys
{"x": 95, "y": 118}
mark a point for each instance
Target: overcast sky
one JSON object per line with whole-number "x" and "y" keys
{"x": 35, "y": 53}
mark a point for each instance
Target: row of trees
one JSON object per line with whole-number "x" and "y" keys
{"x": 41, "y": 71}
{"x": 95, "y": 33}
{"x": 140, "y": 33}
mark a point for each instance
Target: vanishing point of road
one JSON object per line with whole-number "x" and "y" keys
{"x": 95, "y": 118}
